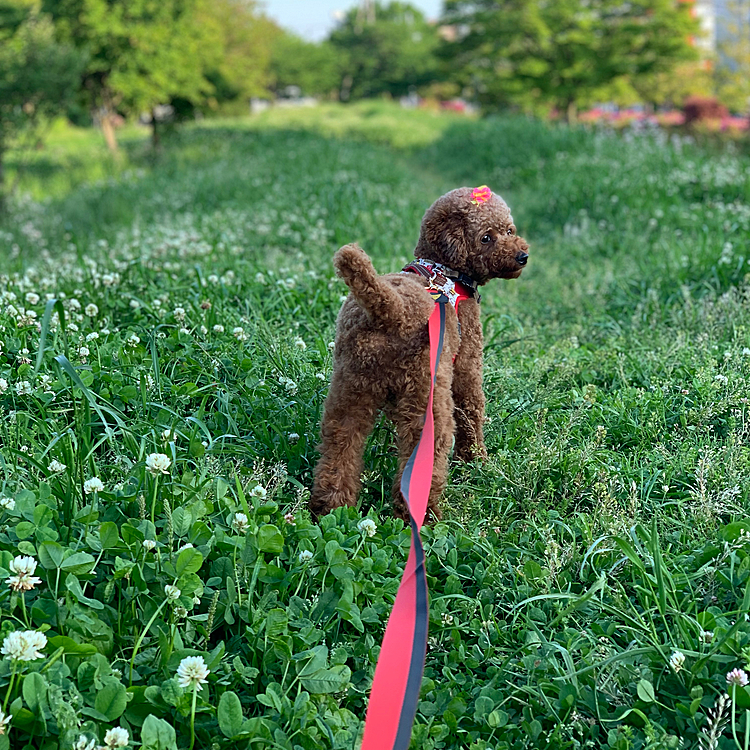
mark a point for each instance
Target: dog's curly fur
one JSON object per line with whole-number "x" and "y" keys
{"x": 381, "y": 357}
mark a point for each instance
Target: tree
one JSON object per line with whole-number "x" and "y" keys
{"x": 385, "y": 49}
{"x": 246, "y": 41}
{"x": 539, "y": 54}
{"x": 38, "y": 75}
{"x": 315, "y": 68}
{"x": 141, "y": 52}
{"x": 733, "y": 72}
{"x": 673, "y": 87}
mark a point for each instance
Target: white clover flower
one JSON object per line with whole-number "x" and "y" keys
{"x": 707, "y": 636}
{"x": 218, "y": 328}
{"x": 134, "y": 304}
{"x": 133, "y": 340}
{"x": 149, "y": 545}
{"x": 240, "y": 523}
{"x": 305, "y": 555}
{"x": 56, "y": 466}
{"x": 677, "y": 660}
{"x": 73, "y": 327}
{"x": 368, "y": 526}
{"x": 187, "y": 545}
{"x": 721, "y": 379}
{"x": 293, "y": 437}
{"x": 204, "y": 330}
{"x": 93, "y": 485}
{"x": 299, "y": 342}
{"x": 32, "y": 298}
{"x": 7, "y": 503}
{"x": 192, "y": 672}
{"x": 24, "y": 568}
{"x": 196, "y": 600}
{"x": 23, "y": 565}
{"x": 158, "y": 463}
{"x": 172, "y": 592}
{"x": 168, "y": 434}
{"x": 320, "y": 376}
{"x": 14, "y": 645}
{"x": 185, "y": 331}
{"x": 179, "y": 314}
{"x": 239, "y": 333}
{"x": 260, "y": 278}
{"x": 258, "y": 491}
{"x": 84, "y": 351}
{"x": 737, "y": 677}
{"x": 746, "y": 352}
{"x": 84, "y": 743}
{"x": 288, "y": 384}
{"x": 4, "y": 721}
{"x": 93, "y": 336}
{"x": 180, "y": 611}
{"x": 24, "y": 645}
{"x": 91, "y": 310}
{"x": 74, "y": 304}
{"x": 116, "y": 737}
{"x": 35, "y": 641}
{"x": 3, "y": 385}
{"x": 24, "y": 388}
{"x": 105, "y": 332}
{"x": 213, "y": 279}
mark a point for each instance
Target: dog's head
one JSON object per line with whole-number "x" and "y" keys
{"x": 472, "y": 231}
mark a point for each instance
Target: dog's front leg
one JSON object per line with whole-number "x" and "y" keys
{"x": 468, "y": 396}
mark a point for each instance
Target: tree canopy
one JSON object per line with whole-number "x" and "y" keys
{"x": 542, "y": 55}
{"x": 314, "y": 68}
{"x": 38, "y": 75}
{"x": 386, "y": 49}
{"x": 143, "y": 53}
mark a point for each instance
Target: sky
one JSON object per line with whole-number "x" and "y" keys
{"x": 313, "y": 19}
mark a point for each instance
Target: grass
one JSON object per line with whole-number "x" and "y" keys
{"x": 589, "y": 586}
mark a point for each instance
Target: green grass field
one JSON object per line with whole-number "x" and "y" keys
{"x": 590, "y": 585}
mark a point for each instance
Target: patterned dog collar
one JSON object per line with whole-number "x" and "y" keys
{"x": 451, "y": 284}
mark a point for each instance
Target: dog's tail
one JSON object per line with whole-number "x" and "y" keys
{"x": 378, "y": 298}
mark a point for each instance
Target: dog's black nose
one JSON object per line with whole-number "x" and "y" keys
{"x": 522, "y": 258}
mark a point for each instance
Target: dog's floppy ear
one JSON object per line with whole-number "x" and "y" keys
{"x": 452, "y": 242}
{"x": 444, "y": 234}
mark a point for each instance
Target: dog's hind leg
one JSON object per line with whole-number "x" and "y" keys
{"x": 408, "y": 415}
{"x": 348, "y": 419}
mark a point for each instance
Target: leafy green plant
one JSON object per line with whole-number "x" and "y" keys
{"x": 165, "y": 356}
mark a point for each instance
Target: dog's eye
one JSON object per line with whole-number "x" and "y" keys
{"x": 486, "y": 239}
{"x": 510, "y": 230}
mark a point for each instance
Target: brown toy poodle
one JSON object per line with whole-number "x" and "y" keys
{"x": 381, "y": 359}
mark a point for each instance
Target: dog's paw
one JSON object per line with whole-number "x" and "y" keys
{"x": 323, "y": 503}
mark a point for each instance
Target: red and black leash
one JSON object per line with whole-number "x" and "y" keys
{"x": 398, "y": 674}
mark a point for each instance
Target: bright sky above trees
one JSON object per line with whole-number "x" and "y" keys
{"x": 313, "y": 19}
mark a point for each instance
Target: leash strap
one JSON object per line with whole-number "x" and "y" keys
{"x": 398, "y": 673}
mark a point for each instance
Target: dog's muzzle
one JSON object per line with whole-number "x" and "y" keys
{"x": 522, "y": 258}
